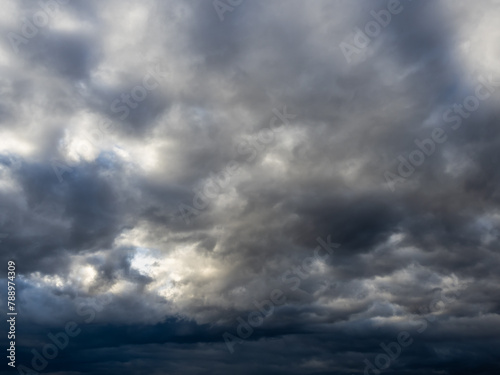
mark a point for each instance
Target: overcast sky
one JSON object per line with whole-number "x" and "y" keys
{"x": 252, "y": 186}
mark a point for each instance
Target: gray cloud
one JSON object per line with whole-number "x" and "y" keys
{"x": 115, "y": 113}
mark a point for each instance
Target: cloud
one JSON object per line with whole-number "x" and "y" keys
{"x": 115, "y": 113}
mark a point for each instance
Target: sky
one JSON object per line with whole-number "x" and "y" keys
{"x": 251, "y": 186}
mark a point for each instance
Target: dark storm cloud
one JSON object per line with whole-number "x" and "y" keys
{"x": 115, "y": 113}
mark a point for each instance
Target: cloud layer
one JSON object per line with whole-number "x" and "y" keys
{"x": 169, "y": 168}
